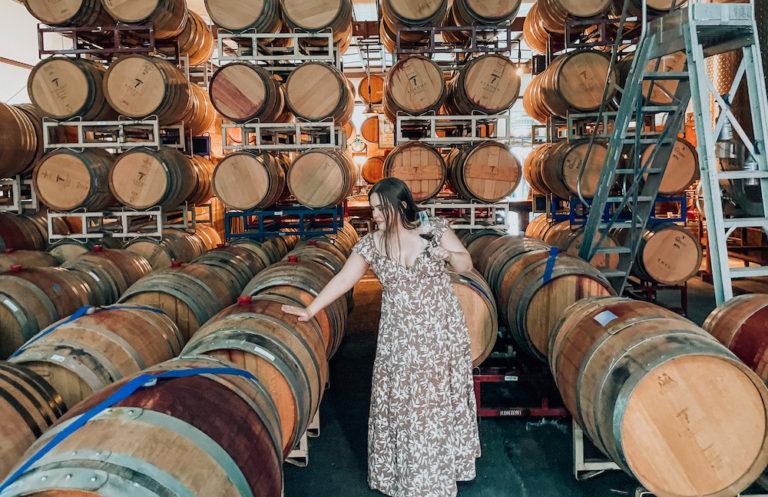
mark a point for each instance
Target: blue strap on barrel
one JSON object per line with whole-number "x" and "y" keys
{"x": 86, "y": 309}
{"x": 145, "y": 380}
{"x": 553, "y": 251}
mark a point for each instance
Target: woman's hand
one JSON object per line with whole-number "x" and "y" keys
{"x": 303, "y": 314}
{"x": 440, "y": 253}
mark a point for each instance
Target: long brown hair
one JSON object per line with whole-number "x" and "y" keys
{"x": 396, "y": 204}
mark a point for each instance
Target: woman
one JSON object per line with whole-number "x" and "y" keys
{"x": 422, "y": 429}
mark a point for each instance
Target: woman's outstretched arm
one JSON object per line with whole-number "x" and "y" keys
{"x": 354, "y": 269}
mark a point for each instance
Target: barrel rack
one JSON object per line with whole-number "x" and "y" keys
{"x": 100, "y": 41}
{"x": 291, "y": 220}
{"x": 246, "y": 47}
{"x": 300, "y": 136}
{"x": 17, "y": 195}
{"x": 299, "y": 455}
{"x": 481, "y": 216}
{"x": 446, "y": 131}
{"x": 575, "y": 211}
{"x": 116, "y": 135}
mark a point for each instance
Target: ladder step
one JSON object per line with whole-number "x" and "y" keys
{"x": 613, "y": 273}
{"x": 746, "y": 222}
{"x": 613, "y": 250}
{"x": 648, "y": 141}
{"x": 640, "y": 198}
{"x": 619, "y": 224}
{"x": 648, "y": 109}
{"x": 665, "y": 75}
{"x": 749, "y": 272}
{"x": 742, "y": 174}
{"x": 653, "y": 170}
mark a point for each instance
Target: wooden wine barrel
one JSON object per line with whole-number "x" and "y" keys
{"x": 168, "y": 17}
{"x": 404, "y": 13}
{"x": 535, "y": 34}
{"x": 287, "y": 354}
{"x": 420, "y": 166}
{"x": 19, "y": 146}
{"x": 488, "y": 84}
{"x": 682, "y": 169}
{"x": 261, "y": 15}
{"x": 176, "y": 245}
{"x": 668, "y": 254}
{"x": 479, "y": 309}
{"x": 629, "y": 373}
{"x": 552, "y": 14}
{"x": 371, "y": 89}
{"x": 498, "y": 255}
{"x": 477, "y": 241}
{"x": 369, "y": 130}
{"x": 201, "y": 115}
{"x": 102, "y": 276}
{"x": 203, "y": 190}
{"x": 531, "y": 304}
{"x": 573, "y": 82}
{"x": 373, "y": 170}
{"x": 132, "y": 266}
{"x": 538, "y": 227}
{"x": 196, "y": 41}
{"x": 483, "y": 12}
{"x": 189, "y": 295}
{"x": 20, "y": 233}
{"x": 25, "y": 258}
{"x": 65, "y": 180}
{"x": 661, "y": 91}
{"x": 85, "y": 355}
{"x": 248, "y": 181}
{"x": 321, "y": 178}
{"x": 316, "y": 91}
{"x": 144, "y": 177}
{"x": 300, "y": 280}
{"x": 69, "y": 250}
{"x": 207, "y": 235}
{"x": 740, "y": 324}
{"x": 244, "y": 92}
{"x": 560, "y": 168}
{"x": 62, "y": 88}
{"x": 320, "y": 15}
{"x": 68, "y": 12}
{"x": 263, "y": 251}
{"x": 532, "y": 168}
{"x": 33, "y": 298}
{"x": 488, "y": 172}
{"x": 167, "y": 438}
{"x": 28, "y": 406}
{"x": 414, "y": 86}
{"x": 139, "y": 86}
{"x": 242, "y": 263}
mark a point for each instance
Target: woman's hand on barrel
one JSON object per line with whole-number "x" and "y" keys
{"x": 302, "y": 313}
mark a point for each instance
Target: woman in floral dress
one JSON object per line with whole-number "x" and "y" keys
{"x": 422, "y": 429}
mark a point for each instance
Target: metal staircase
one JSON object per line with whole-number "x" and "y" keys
{"x": 700, "y": 30}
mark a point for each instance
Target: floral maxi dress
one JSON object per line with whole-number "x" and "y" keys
{"x": 422, "y": 429}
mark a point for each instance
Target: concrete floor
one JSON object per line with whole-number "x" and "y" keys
{"x": 521, "y": 457}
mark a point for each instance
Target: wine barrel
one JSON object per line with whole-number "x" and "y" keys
{"x": 668, "y": 254}
{"x": 189, "y": 295}
{"x": 103, "y": 277}
{"x": 538, "y": 227}
{"x": 68, "y": 12}
{"x": 176, "y": 245}
{"x": 201, "y": 115}
{"x": 532, "y": 168}
{"x": 263, "y": 251}
{"x": 414, "y": 86}
{"x": 203, "y": 190}
{"x": 69, "y": 250}
{"x": 245, "y": 180}
{"x": 559, "y": 167}
{"x": 498, "y": 255}
{"x": 574, "y": 82}
{"x": 62, "y": 88}
{"x": 19, "y": 146}
{"x": 302, "y": 280}
{"x": 373, "y": 170}
{"x": 476, "y": 242}
{"x": 552, "y": 15}
{"x": 33, "y": 298}
{"x": 488, "y": 84}
{"x": 65, "y": 180}
{"x": 132, "y": 266}
{"x": 243, "y": 92}
{"x": 25, "y": 258}
{"x": 168, "y": 17}
{"x": 658, "y": 92}
{"x": 144, "y": 177}
{"x": 196, "y": 40}
{"x": 28, "y": 406}
{"x": 535, "y": 34}
{"x": 89, "y": 353}
{"x": 242, "y": 263}
{"x": 487, "y": 172}
{"x": 321, "y": 178}
{"x": 682, "y": 169}
{"x": 398, "y": 14}
{"x": 479, "y": 309}
{"x": 482, "y": 12}
{"x": 369, "y": 130}
{"x": 287, "y": 354}
{"x": 207, "y": 235}
{"x": 316, "y": 91}
{"x": 631, "y": 373}
{"x": 20, "y": 233}
{"x": 532, "y": 303}
{"x": 139, "y": 86}
{"x": 420, "y": 166}
{"x": 371, "y": 89}
{"x": 263, "y": 16}
{"x": 320, "y": 15}
{"x": 162, "y": 429}
{"x": 740, "y": 324}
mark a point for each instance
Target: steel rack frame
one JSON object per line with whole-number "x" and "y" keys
{"x": 104, "y": 41}
{"x": 299, "y": 455}
{"x": 477, "y": 212}
{"x": 248, "y": 48}
{"x": 468, "y": 127}
{"x": 298, "y": 137}
{"x": 20, "y": 194}
{"x": 501, "y": 40}
{"x": 116, "y": 134}
{"x": 295, "y": 220}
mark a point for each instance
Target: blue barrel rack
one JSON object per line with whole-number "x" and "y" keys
{"x": 575, "y": 212}
{"x": 294, "y": 220}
